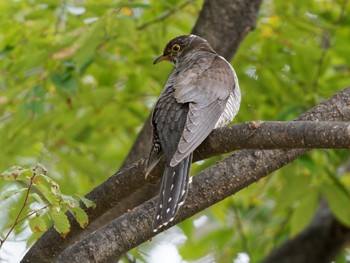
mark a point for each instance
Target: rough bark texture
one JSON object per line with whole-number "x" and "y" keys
{"x": 275, "y": 135}
{"x": 243, "y": 14}
{"x": 228, "y": 16}
{"x": 210, "y": 186}
{"x": 251, "y": 135}
{"x": 320, "y": 242}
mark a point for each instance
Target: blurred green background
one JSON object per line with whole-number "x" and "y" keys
{"x": 77, "y": 83}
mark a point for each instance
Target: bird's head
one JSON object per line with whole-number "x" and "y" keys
{"x": 180, "y": 46}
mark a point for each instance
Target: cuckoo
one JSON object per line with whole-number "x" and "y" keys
{"x": 201, "y": 94}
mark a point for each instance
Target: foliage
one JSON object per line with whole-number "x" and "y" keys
{"x": 76, "y": 85}
{"x": 40, "y": 200}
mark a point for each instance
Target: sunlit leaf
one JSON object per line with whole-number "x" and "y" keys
{"x": 48, "y": 188}
{"x": 80, "y": 216}
{"x": 60, "y": 221}
{"x": 36, "y": 197}
{"x": 89, "y": 43}
{"x": 304, "y": 212}
{"x": 9, "y": 193}
{"x": 88, "y": 203}
{"x": 338, "y": 201}
{"x": 70, "y": 201}
{"x": 16, "y": 173}
{"x": 37, "y": 224}
{"x": 65, "y": 81}
{"x": 35, "y": 100}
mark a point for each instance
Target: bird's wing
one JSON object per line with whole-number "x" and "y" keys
{"x": 168, "y": 121}
{"x": 206, "y": 86}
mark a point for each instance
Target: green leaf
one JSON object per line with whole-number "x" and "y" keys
{"x": 28, "y": 64}
{"x": 70, "y": 201}
{"x": 48, "y": 188}
{"x": 308, "y": 162}
{"x": 89, "y": 43}
{"x": 338, "y": 201}
{"x": 60, "y": 222}
{"x": 9, "y": 193}
{"x": 88, "y": 203}
{"x": 80, "y": 215}
{"x": 16, "y": 173}
{"x": 34, "y": 102}
{"x": 6, "y": 50}
{"x": 195, "y": 249}
{"x": 36, "y": 198}
{"x": 65, "y": 81}
{"x": 304, "y": 212}
{"x": 37, "y": 224}
{"x": 294, "y": 188}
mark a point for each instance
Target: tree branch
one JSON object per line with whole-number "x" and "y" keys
{"x": 118, "y": 187}
{"x": 165, "y": 15}
{"x": 275, "y": 135}
{"x": 209, "y": 187}
{"x": 227, "y": 16}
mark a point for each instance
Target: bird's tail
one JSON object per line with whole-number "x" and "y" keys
{"x": 173, "y": 192}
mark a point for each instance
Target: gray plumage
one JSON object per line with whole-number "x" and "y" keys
{"x": 201, "y": 94}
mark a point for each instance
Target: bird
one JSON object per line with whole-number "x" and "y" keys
{"x": 202, "y": 93}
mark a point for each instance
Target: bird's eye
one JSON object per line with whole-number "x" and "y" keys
{"x": 176, "y": 48}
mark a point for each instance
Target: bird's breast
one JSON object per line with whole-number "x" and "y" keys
{"x": 231, "y": 108}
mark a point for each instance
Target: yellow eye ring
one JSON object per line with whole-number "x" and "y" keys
{"x": 176, "y": 48}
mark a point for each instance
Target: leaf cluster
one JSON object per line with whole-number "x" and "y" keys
{"x": 41, "y": 203}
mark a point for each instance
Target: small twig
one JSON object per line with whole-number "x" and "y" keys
{"x": 32, "y": 213}
{"x": 165, "y": 15}
{"x": 7, "y": 117}
{"x": 326, "y": 40}
{"x": 17, "y": 220}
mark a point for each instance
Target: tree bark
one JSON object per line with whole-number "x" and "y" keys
{"x": 251, "y": 135}
{"x": 233, "y": 20}
{"x": 210, "y": 186}
{"x": 275, "y": 135}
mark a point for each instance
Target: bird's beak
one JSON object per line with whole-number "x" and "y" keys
{"x": 161, "y": 58}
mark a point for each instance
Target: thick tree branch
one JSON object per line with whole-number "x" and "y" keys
{"x": 320, "y": 242}
{"x": 118, "y": 187}
{"x": 210, "y": 186}
{"x": 275, "y": 135}
{"x": 227, "y": 16}
{"x": 251, "y": 135}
